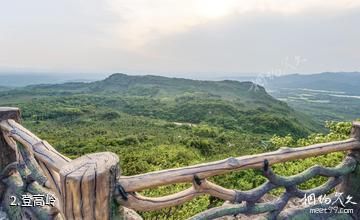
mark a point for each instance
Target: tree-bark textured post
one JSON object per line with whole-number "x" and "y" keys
{"x": 7, "y": 154}
{"x": 88, "y": 185}
{"x": 351, "y": 183}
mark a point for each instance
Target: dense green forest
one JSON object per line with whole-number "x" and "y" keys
{"x": 155, "y": 123}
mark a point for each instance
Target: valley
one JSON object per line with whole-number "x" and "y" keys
{"x": 324, "y": 97}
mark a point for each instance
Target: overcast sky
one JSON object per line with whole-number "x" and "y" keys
{"x": 180, "y": 37}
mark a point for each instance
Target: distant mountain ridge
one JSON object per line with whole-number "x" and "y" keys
{"x": 3, "y": 88}
{"x": 150, "y": 85}
{"x": 324, "y": 96}
{"x": 347, "y": 82}
{"x": 16, "y": 80}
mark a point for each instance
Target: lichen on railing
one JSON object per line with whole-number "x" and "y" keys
{"x": 92, "y": 187}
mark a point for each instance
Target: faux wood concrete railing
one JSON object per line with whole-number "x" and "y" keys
{"x": 91, "y": 187}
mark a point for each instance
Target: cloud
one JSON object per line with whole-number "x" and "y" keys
{"x": 145, "y": 20}
{"x": 172, "y": 36}
{"x": 262, "y": 42}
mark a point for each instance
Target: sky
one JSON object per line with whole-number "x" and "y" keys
{"x": 180, "y": 37}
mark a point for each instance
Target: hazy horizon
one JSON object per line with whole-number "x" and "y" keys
{"x": 20, "y": 79}
{"x": 180, "y": 38}
{"x": 100, "y": 75}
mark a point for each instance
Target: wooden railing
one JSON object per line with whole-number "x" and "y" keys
{"x": 91, "y": 187}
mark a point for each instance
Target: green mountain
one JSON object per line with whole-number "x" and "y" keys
{"x": 241, "y": 106}
{"x": 158, "y": 86}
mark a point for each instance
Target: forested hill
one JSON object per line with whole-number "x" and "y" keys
{"x": 241, "y": 106}
{"x": 158, "y": 86}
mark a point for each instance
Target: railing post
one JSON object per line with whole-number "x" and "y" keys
{"x": 88, "y": 186}
{"x": 351, "y": 183}
{"x": 7, "y": 154}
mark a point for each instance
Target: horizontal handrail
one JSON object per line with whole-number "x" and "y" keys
{"x": 201, "y": 187}
{"x": 205, "y": 170}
